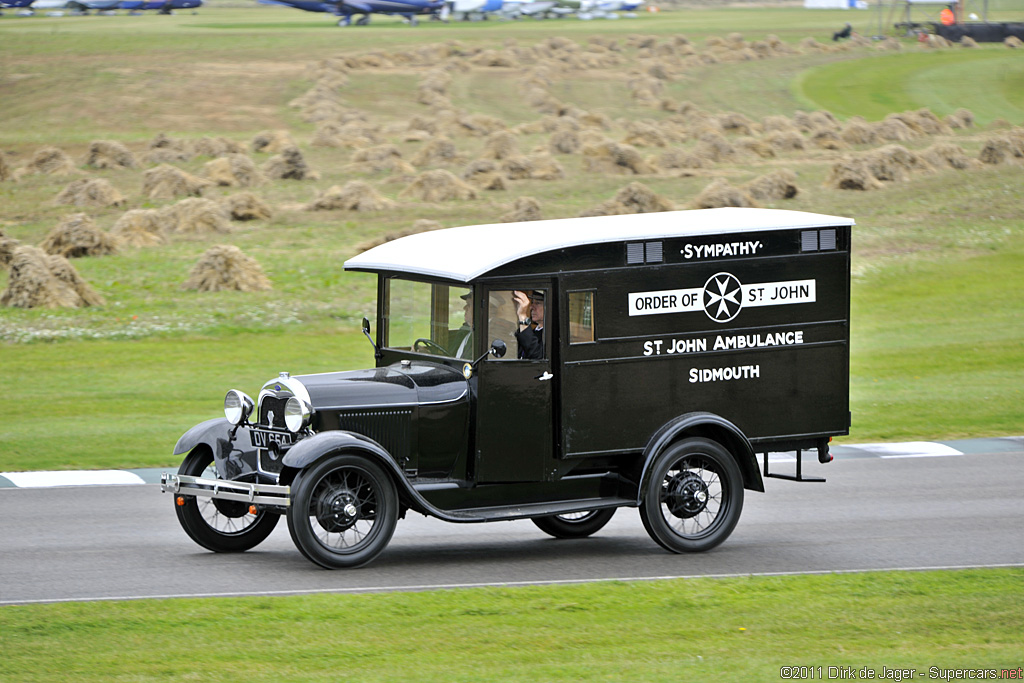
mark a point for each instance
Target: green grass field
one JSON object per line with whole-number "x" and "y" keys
{"x": 744, "y": 629}
{"x": 936, "y": 341}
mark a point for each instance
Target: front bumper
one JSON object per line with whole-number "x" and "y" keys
{"x": 256, "y": 494}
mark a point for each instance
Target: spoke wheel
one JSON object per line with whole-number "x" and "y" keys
{"x": 575, "y": 524}
{"x": 223, "y": 526}
{"x": 694, "y": 496}
{"x": 344, "y": 510}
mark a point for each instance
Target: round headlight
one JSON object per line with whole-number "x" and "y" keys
{"x": 296, "y": 414}
{"x": 237, "y": 407}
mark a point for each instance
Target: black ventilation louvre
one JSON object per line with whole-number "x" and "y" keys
{"x": 638, "y": 253}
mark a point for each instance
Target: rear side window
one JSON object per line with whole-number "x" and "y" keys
{"x": 581, "y": 317}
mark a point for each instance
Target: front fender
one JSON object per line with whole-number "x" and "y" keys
{"x": 710, "y": 426}
{"x": 209, "y": 432}
{"x": 233, "y": 457}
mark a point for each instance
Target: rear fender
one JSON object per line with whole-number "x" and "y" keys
{"x": 710, "y": 426}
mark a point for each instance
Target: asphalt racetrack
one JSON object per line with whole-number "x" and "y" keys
{"x": 875, "y": 512}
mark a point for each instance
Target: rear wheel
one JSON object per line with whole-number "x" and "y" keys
{"x": 344, "y": 510}
{"x": 575, "y": 524}
{"x": 694, "y": 496}
{"x": 223, "y": 526}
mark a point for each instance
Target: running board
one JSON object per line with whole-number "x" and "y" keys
{"x": 509, "y": 512}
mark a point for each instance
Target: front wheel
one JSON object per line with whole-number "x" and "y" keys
{"x": 343, "y": 512}
{"x": 223, "y": 526}
{"x": 694, "y": 496}
{"x": 574, "y": 524}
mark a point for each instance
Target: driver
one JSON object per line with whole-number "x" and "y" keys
{"x": 530, "y": 330}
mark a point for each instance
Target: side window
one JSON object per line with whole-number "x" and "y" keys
{"x": 581, "y": 317}
{"x": 523, "y": 333}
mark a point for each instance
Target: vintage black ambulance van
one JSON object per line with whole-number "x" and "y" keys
{"x": 553, "y": 370}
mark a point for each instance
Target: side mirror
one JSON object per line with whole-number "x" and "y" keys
{"x": 366, "y": 330}
{"x": 498, "y": 348}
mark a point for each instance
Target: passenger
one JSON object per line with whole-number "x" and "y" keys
{"x": 462, "y": 338}
{"x": 530, "y": 332}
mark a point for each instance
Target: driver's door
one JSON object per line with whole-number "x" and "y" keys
{"x": 515, "y": 419}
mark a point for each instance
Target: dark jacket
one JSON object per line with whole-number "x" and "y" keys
{"x": 531, "y": 343}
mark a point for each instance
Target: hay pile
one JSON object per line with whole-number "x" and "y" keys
{"x": 1007, "y": 148}
{"x": 961, "y": 118}
{"x": 779, "y": 184}
{"x": 39, "y": 280}
{"x": 140, "y": 228}
{"x": 49, "y": 161}
{"x": 1013, "y": 42}
{"x": 485, "y": 175}
{"x": 272, "y": 141}
{"x": 381, "y": 158}
{"x": 523, "y": 209}
{"x": 225, "y": 267}
{"x": 678, "y": 158}
{"x": 7, "y": 247}
{"x": 852, "y": 173}
{"x": 720, "y": 193}
{"x": 166, "y": 150}
{"x": 786, "y": 141}
{"x": 109, "y": 154}
{"x": 438, "y": 186}
{"x": 233, "y": 170}
{"x": 197, "y": 216}
{"x": 245, "y": 206}
{"x": 77, "y": 235}
{"x": 419, "y": 225}
{"x": 439, "y": 150}
{"x": 633, "y": 198}
{"x": 169, "y": 182}
{"x": 564, "y": 141}
{"x": 288, "y": 165}
{"x": 612, "y": 158}
{"x": 5, "y": 170}
{"x": 96, "y": 192}
{"x": 216, "y": 147}
{"x": 501, "y": 145}
{"x": 857, "y": 131}
{"x": 533, "y": 167}
{"x": 943, "y": 154}
{"x": 355, "y": 195}
{"x": 894, "y": 163}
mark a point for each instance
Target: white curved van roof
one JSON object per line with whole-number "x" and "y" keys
{"x": 463, "y": 254}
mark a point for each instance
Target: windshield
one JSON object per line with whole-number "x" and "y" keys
{"x": 429, "y": 318}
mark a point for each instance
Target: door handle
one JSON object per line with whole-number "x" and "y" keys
{"x": 545, "y": 377}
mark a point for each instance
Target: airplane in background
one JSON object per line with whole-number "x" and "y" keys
{"x": 346, "y": 9}
{"x": 57, "y": 7}
{"x": 24, "y": 5}
{"x": 161, "y": 6}
{"x": 470, "y": 10}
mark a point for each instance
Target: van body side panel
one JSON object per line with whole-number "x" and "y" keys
{"x": 761, "y": 339}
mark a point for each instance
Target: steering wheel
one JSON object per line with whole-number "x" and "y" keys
{"x": 433, "y": 346}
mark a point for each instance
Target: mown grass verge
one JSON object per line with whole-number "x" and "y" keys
{"x": 737, "y": 629}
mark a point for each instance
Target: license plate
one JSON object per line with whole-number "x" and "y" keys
{"x": 263, "y": 439}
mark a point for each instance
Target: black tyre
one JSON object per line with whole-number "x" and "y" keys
{"x": 694, "y": 496}
{"x": 575, "y": 524}
{"x": 343, "y": 512}
{"x": 223, "y": 526}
